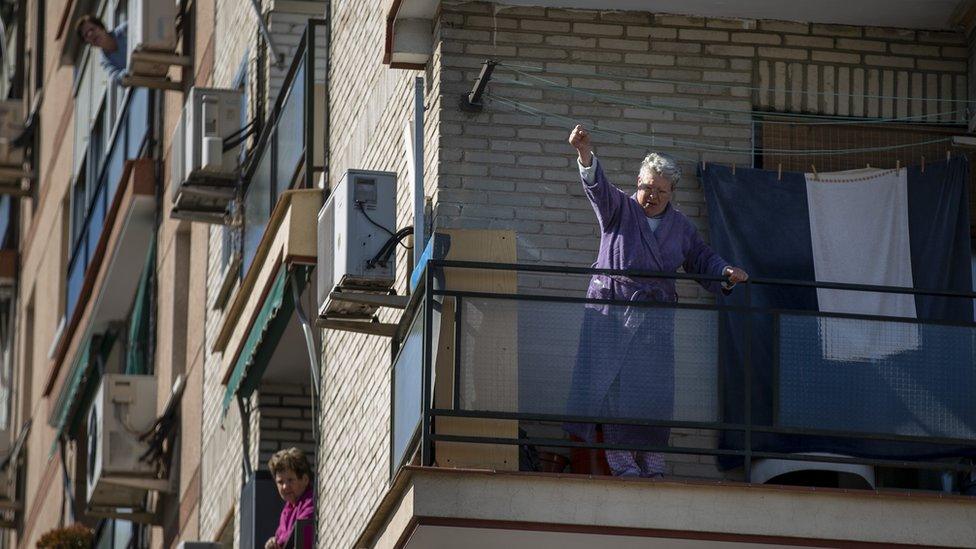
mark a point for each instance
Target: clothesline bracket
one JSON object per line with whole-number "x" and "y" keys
{"x": 472, "y": 101}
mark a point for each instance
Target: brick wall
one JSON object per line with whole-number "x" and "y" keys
{"x": 369, "y": 105}
{"x": 237, "y": 41}
{"x": 284, "y": 417}
{"x": 515, "y": 170}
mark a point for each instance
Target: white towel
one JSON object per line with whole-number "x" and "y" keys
{"x": 859, "y": 228}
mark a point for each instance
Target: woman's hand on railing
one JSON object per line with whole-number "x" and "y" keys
{"x": 735, "y": 275}
{"x": 272, "y": 543}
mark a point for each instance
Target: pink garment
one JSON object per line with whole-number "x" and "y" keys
{"x": 303, "y": 508}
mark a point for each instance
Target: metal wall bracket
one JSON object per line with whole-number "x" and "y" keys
{"x": 471, "y": 101}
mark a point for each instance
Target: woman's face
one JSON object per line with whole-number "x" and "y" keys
{"x": 290, "y": 486}
{"x": 653, "y": 193}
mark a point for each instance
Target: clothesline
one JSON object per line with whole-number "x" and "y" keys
{"x": 517, "y": 67}
{"x": 725, "y": 114}
{"x": 698, "y": 146}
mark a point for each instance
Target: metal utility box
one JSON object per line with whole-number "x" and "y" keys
{"x": 354, "y": 226}
{"x": 152, "y": 28}
{"x": 123, "y": 409}
{"x": 204, "y": 175}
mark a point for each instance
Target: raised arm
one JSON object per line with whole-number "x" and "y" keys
{"x": 606, "y": 199}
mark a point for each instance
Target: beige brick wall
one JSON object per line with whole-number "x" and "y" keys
{"x": 284, "y": 417}
{"x": 505, "y": 169}
{"x": 370, "y": 104}
{"x": 237, "y": 36}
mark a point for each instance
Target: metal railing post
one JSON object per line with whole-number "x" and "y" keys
{"x": 456, "y": 405}
{"x": 747, "y": 387}
{"x": 308, "y": 107}
{"x": 426, "y": 448}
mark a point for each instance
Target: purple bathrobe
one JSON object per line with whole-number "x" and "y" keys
{"x": 625, "y": 364}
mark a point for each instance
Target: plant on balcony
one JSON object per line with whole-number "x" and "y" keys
{"x": 76, "y": 536}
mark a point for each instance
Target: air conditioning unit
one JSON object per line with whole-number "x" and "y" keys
{"x": 353, "y": 226}
{"x": 152, "y": 28}
{"x": 11, "y": 126}
{"x": 204, "y": 175}
{"x": 124, "y": 408}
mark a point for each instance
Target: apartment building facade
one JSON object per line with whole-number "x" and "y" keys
{"x": 130, "y": 248}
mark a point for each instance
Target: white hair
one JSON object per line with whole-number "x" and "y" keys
{"x": 660, "y": 164}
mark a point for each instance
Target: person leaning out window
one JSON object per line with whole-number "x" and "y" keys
{"x": 113, "y": 44}
{"x": 293, "y": 478}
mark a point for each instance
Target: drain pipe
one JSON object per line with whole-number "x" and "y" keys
{"x": 279, "y": 60}
{"x": 313, "y": 363}
{"x": 310, "y": 343}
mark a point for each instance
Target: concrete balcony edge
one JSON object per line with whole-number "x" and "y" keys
{"x": 709, "y": 510}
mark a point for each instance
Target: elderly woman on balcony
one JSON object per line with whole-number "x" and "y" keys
{"x": 293, "y": 477}
{"x": 625, "y": 364}
{"x": 113, "y": 44}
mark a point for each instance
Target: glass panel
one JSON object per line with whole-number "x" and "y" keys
{"x": 78, "y": 208}
{"x": 76, "y": 277}
{"x": 257, "y": 208}
{"x": 644, "y": 363}
{"x": 96, "y": 221}
{"x": 137, "y": 120}
{"x": 407, "y": 377}
{"x": 82, "y": 125}
{"x": 290, "y": 132}
{"x": 113, "y": 168}
{"x": 877, "y": 376}
{"x": 6, "y": 213}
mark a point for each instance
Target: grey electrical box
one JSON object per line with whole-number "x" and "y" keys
{"x": 355, "y": 229}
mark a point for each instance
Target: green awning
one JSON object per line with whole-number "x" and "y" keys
{"x": 136, "y": 359}
{"x": 81, "y": 386}
{"x": 258, "y": 348}
{"x": 67, "y": 398}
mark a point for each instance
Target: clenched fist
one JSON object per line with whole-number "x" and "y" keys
{"x": 579, "y": 138}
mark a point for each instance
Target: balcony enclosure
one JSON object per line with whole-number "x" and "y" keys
{"x": 728, "y": 391}
{"x": 91, "y": 201}
{"x": 290, "y": 150}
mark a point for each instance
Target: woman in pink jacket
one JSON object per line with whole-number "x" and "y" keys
{"x": 293, "y": 477}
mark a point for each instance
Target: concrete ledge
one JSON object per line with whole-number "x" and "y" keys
{"x": 661, "y": 508}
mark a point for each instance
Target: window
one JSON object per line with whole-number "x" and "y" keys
{"x": 230, "y": 257}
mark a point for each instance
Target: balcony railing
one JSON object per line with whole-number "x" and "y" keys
{"x": 750, "y": 378}
{"x": 127, "y": 142}
{"x": 295, "y": 129}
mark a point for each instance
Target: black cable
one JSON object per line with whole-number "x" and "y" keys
{"x": 359, "y": 204}
{"x": 230, "y": 142}
{"x": 245, "y": 128}
{"x": 383, "y": 255}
